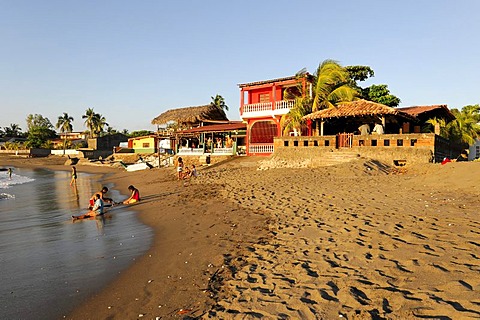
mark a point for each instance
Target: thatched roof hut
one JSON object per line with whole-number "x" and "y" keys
{"x": 189, "y": 117}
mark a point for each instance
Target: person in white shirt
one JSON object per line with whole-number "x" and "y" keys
{"x": 378, "y": 129}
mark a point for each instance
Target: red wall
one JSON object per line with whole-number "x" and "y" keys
{"x": 254, "y": 95}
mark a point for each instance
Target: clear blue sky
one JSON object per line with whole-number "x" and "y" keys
{"x": 133, "y": 60}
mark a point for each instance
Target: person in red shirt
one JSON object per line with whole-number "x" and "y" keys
{"x": 134, "y": 197}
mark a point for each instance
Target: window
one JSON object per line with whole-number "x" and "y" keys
{"x": 146, "y": 145}
{"x": 374, "y": 143}
{"x": 399, "y": 143}
{"x": 305, "y": 143}
{"x": 285, "y": 143}
{"x": 264, "y": 97}
{"x": 386, "y": 143}
{"x": 315, "y": 143}
{"x": 295, "y": 143}
{"x": 327, "y": 143}
{"x": 412, "y": 142}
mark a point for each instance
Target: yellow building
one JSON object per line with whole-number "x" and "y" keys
{"x": 145, "y": 144}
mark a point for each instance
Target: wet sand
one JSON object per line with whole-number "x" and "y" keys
{"x": 357, "y": 241}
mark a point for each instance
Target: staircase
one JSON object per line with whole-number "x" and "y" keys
{"x": 334, "y": 158}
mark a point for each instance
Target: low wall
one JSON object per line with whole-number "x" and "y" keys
{"x": 70, "y": 152}
{"x": 393, "y": 149}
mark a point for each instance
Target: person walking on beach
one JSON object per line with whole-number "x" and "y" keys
{"x": 73, "y": 181}
{"x": 97, "y": 209}
{"x": 180, "y": 166}
{"x": 9, "y": 172}
{"x": 134, "y": 197}
{"x": 101, "y": 194}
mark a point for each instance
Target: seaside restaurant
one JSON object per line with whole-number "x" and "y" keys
{"x": 203, "y": 130}
{"x": 215, "y": 139}
{"x": 401, "y": 138}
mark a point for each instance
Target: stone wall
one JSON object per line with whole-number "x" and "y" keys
{"x": 393, "y": 149}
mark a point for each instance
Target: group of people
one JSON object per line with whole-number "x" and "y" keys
{"x": 364, "y": 129}
{"x": 97, "y": 202}
{"x": 184, "y": 172}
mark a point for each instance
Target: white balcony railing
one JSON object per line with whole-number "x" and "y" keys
{"x": 222, "y": 151}
{"x": 190, "y": 151}
{"x": 255, "y": 107}
{"x": 267, "y": 108}
{"x": 260, "y": 148}
{"x": 284, "y": 104}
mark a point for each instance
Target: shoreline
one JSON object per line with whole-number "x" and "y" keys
{"x": 191, "y": 237}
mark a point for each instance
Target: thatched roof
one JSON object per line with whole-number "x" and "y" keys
{"x": 191, "y": 115}
{"x": 357, "y": 108}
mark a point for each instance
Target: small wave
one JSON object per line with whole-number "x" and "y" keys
{"x": 6, "y": 182}
{"x": 6, "y": 196}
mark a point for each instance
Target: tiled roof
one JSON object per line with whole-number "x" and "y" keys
{"x": 256, "y": 83}
{"x": 417, "y": 110}
{"x": 357, "y": 108}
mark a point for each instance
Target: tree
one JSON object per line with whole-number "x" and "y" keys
{"x": 94, "y": 122}
{"x": 465, "y": 128}
{"x": 90, "y": 120}
{"x": 331, "y": 86}
{"x": 375, "y": 93}
{"x": 380, "y": 94}
{"x": 100, "y": 123}
{"x": 219, "y": 102}
{"x": 64, "y": 123}
{"x": 13, "y": 131}
{"x": 293, "y": 120}
{"x": 40, "y": 130}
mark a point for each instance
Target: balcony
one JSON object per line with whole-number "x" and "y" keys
{"x": 266, "y": 109}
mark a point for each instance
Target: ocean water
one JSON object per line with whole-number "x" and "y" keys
{"x": 48, "y": 264}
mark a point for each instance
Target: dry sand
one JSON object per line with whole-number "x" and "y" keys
{"x": 354, "y": 241}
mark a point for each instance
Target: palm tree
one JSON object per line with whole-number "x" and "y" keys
{"x": 293, "y": 120}
{"x": 100, "y": 123}
{"x": 90, "y": 120}
{"x": 64, "y": 123}
{"x": 13, "y": 130}
{"x": 465, "y": 128}
{"x": 219, "y": 102}
{"x": 331, "y": 86}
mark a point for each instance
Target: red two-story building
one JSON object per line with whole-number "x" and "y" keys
{"x": 262, "y": 105}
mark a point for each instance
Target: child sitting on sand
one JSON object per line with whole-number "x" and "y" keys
{"x": 97, "y": 209}
{"x": 134, "y": 197}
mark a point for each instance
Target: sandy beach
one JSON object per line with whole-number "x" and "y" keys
{"x": 356, "y": 241}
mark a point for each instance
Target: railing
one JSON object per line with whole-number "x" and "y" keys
{"x": 190, "y": 151}
{"x": 284, "y": 104}
{"x": 261, "y": 148}
{"x": 254, "y": 107}
{"x": 223, "y": 151}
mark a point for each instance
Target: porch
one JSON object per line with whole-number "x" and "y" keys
{"x": 265, "y": 109}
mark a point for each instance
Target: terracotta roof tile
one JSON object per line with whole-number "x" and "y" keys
{"x": 357, "y": 108}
